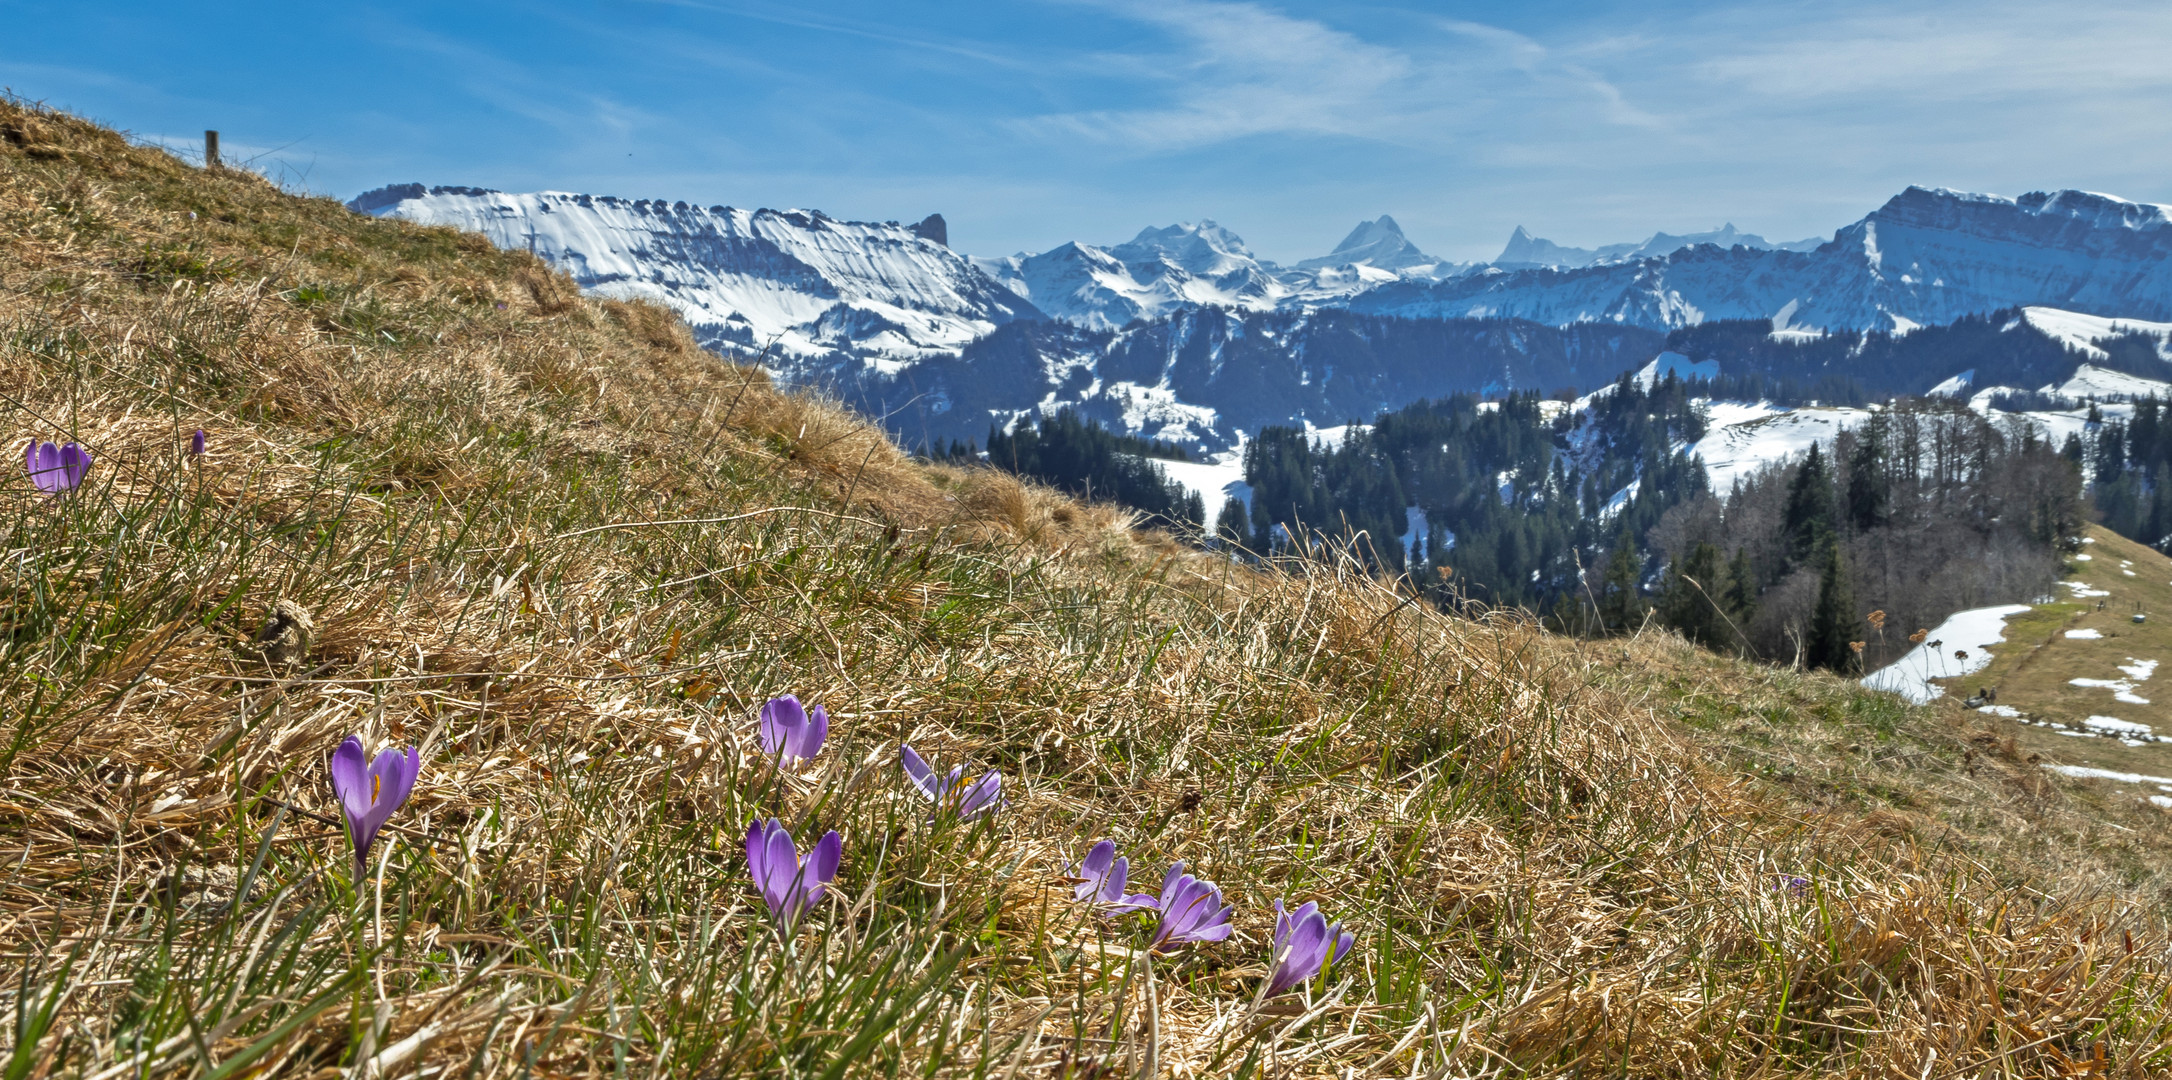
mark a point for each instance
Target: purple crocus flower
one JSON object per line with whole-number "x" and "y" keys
{"x": 793, "y": 732}
{"x": 790, "y": 886}
{"x": 1103, "y": 884}
{"x": 1305, "y": 944}
{"x": 197, "y": 443}
{"x": 950, "y": 793}
{"x": 56, "y": 470}
{"x": 369, "y": 791}
{"x": 1191, "y": 910}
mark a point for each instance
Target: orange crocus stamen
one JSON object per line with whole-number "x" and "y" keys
{"x": 377, "y": 784}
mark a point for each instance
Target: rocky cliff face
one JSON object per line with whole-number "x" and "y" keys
{"x": 824, "y": 297}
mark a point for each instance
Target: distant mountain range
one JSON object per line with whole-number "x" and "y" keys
{"x": 1925, "y": 257}
{"x": 1527, "y": 252}
{"x": 1183, "y": 333}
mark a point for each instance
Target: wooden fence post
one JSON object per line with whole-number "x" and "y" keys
{"x": 211, "y": 149}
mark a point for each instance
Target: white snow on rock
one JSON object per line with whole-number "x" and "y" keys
{"x": 1677, "y": 365}
{"x": 741, "y": 278}
{"x": 2104, "y": 384}
{"x": 2084, "y": 634}
{"x": 2082, "y": 332}
{"x": 1741, "y": 439}
{"x": 1963, "y": 631}
{"x": 1954, "y": 387}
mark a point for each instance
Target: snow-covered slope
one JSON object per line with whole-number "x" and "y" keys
{"x": 1743, "y": 438}
{"x": 1926, "y": 257}
{"x": 2082, "y": 332}
{"x": 825, "y": 291}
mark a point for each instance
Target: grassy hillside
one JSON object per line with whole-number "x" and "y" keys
{"x": 567, "y": 555}
{"x": 2088, "y": 633}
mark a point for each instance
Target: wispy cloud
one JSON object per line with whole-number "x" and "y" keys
{"x": 1238, "y": 70}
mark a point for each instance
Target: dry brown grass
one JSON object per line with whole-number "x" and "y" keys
{"x": 568, "y": 553}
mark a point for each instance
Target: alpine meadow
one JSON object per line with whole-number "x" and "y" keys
{"x": 417, "y": 667}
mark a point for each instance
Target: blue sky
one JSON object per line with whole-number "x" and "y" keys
{"x": 1031, "y": 123}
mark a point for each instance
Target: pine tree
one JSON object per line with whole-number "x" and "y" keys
{"x": 1806, "y": 519}
{"x": 1234, "y": 527}
{"x": 1741, "y": 597}
{"x": 1689, "y": 603}
{"x": 1833, "y": 620}
{"x": 1868, "y": 498}
{"x": 1620, "y": 606}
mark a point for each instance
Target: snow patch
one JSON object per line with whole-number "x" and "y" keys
{"x": 1964, "y": 631}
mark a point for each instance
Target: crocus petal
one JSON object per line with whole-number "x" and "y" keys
{"x": 75, "y": 463}
{"x": 1343, "y": 941}
{"x": 949, "y": 783}
{"x": 1112, "y": 883}
{"x": 197, "y": 443}
{"x": 758, "y": 854}
{"x": 918, "y": 771}
{"x": 1095, "y": 869}
{"x": 823, "y": 861}
{"x": 783, "y": 870}
{"x": 351, "y": 785}
{"x": 1169, "y": 886}
{"x": 43, "y": 462}
{"x": 984, "y": 796}
{"x": 782, "y": 719}
{"x": 812, "y": 734}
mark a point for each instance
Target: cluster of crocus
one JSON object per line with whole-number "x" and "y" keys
{"x": 950, "y": 793}
{"x": 369, "y": 791}
{"x": 1191, "y": 910}
{"x": 792, "y": 732}
{"x": 790, "y": 885}
{"x": 56, "y": 470}
{"x": 1305, "y": 944}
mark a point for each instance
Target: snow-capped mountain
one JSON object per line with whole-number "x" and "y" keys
{"x": 820, "y": 293}
{"x": 1528, "y": 252}
{"x": 1380, "y": 244}
{"x": 1157, "y": 271}
{"x": 1925, "y": 257}
{"x": 1162, "y": 270}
